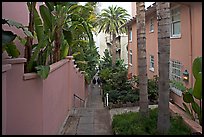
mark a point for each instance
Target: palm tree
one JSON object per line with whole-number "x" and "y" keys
{"x": 110, "y": 21}
{"x": 142, "y": 65}
{"x": 163, "y": 18}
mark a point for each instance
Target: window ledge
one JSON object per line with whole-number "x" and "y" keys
{"x": 176, "y": 36}
{"x": 176, "y": 91}
{"x": 151, "y": 69}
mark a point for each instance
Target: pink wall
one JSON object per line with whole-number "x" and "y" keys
{"x": 181, "y": 48}
{"x": 151, "y": 45}
{"x": 196, "y": 14}
{"x": 18, "y": 13}
{"x": 133, "y": 46}
{"x": 5, "y": 68}
{"x": 184, "y": 49}
{"x": 36, "y": 106}
{"x": 24, "y": 101}
{"x": 55, "y": 96}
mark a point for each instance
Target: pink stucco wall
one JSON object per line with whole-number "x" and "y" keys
{"x": 18, "y": 13}
{"x": 55, "y": 96}
{"x": 5, "y": 68}
{"x": 184, "y": 49}
{"x": 37, "y": 106}
{"x": 133, "y": 46}
{"x": 151, "y": 45}
{"x": 196, "y": 15}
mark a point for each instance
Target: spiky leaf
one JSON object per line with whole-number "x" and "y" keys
{"x": 187, "y": 97}
{"x": 197, "y": 66}
{"x": 188, "y": 111}
{"x": 197, "y": 90}
{"x": 196, "y": 107}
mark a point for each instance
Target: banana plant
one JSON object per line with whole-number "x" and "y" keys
{"x": 8, "y": 37}
{"x": 40, "y": 51}
{"x": 189, "y": 95}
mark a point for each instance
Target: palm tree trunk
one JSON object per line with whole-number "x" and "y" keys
{"x": 163, "y": 18}
{"x": 114, "y": 50}
{"x": 142, "y": 65}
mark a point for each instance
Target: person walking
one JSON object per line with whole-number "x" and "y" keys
{"x": 99, "y": 82}
{"x": 94, "y": 81}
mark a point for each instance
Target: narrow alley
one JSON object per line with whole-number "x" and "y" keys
{"x": 93, "y": 119}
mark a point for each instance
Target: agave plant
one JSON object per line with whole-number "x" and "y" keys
{"x": 190, "y": 95}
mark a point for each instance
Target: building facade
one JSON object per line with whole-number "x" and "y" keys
{"x": 185, "y": 40}
{"x": 104, "y": 41}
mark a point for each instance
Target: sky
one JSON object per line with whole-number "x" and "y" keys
{"x": 125, "y": 5}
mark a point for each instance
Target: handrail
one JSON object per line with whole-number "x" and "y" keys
{"x": 79, "y": 99}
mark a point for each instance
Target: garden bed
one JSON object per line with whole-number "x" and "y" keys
{"x": 181, "y": 123}
{"x": 132, "y": 123}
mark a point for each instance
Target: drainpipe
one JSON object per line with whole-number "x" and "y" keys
{"x": 191, "y": 49}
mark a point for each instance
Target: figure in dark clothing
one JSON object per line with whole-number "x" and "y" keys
{"x": 94, "y": 81}
{"x": 99, "y": 81}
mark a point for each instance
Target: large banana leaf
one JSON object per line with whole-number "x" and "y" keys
{"x": 39, "y": 29}
{"x": 47, "y": 17}
{"x": 197, "y": 66}
{"x": 43, "y": 71}
{"x": 7, "y": 37}
{"x": 12, "y": 50}
{"x": 64, "y": 49}
{"x": 197, "y": 90}
{"x": 19, "y": 26}
{"x": 42, "y": 39}
{"x": 68, "y": 36}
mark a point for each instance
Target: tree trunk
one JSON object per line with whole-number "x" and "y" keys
{"x": 29, "y": 42}
{"x": 163, "y": 19}
{"x": 142, "y": 65}
{"x": 56, "y": 56}
{"x": 114, "y": 50}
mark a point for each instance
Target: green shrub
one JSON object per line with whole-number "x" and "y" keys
{"x": 132, "y": 123}
{"x": 153, "y": 89}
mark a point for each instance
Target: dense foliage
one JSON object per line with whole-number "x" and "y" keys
{"x": 114, "y": 80}
{"x": 132, "y": 123}
{"x": 59, "y": 29}
{"x": 116, "y": 83}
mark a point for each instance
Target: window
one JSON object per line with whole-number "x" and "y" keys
{"x": 175, "y": 70}
{"x": 131, "y": 57}
{"x": 151, "y": 29}
{"x": 130, "y": 35}
{"x": 175, "y": 23}
{"x": 175, "y": 75}
{"x": 151, "y": 65}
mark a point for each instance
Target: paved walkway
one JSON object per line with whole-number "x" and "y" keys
{"x": 94, "y": 119}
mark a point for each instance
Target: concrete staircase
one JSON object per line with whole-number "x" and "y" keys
{"x": 93, "y": 119}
